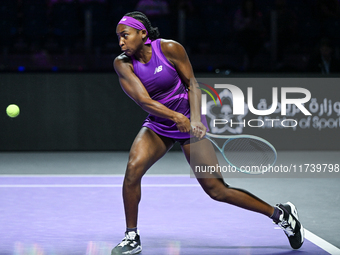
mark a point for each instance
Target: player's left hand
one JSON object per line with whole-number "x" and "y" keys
{"x": 198, "y": 129}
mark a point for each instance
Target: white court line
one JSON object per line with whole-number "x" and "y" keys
{"x": 92, "y": 185}
{"x": 323, "y": 244}
{"x": 86, "y": 175}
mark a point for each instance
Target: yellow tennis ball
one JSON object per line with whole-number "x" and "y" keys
{"x": 13, "y": 110}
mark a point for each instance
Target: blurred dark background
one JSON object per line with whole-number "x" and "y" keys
{"x": 221, "y": 36}
{"x": 56, "y": 63}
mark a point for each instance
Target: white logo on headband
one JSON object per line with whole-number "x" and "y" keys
{"x": 124, "y": 19}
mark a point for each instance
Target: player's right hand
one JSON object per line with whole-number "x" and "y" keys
{"x": 182, "y": 123}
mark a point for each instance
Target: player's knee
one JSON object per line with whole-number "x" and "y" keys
{"x": 215, "y": 192}
{"x": 133, "y": 174}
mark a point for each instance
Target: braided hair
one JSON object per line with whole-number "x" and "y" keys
{"x": 153, "y": 32}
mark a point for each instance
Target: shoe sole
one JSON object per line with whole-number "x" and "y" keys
{"x": 294, "y": 212}
{"x": 134, "y": 251}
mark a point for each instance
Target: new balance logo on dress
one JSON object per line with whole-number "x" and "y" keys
{"x": 158, "y": 69}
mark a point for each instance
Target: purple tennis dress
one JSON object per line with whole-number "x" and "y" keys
{"x": 164, "y": 85}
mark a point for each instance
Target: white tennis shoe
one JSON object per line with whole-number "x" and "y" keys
{"x": 289, "y": 222}
{"x": 131, "y": 244}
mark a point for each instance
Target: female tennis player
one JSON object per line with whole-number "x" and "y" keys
{"x": 158, "y": 76}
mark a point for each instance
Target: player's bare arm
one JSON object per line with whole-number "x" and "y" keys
{"x": 134, "y": 88}
{"x": 177, "y": 55}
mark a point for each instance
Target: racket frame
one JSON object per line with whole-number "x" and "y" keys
{"x": 229, "y": 138}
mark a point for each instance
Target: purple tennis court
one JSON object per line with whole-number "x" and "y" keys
{"x": 84, "y": 215}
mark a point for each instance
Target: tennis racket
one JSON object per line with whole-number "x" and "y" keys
{"x": 247, "y": 153}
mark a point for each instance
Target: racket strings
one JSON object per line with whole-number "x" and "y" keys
{"x": 249, "y": 152}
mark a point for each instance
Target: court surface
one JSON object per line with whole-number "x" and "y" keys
{"x": 70, "y": 203}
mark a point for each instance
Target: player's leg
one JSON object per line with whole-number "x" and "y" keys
{"x": 202, "y": 153}
{"x": 146, "y": 149}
